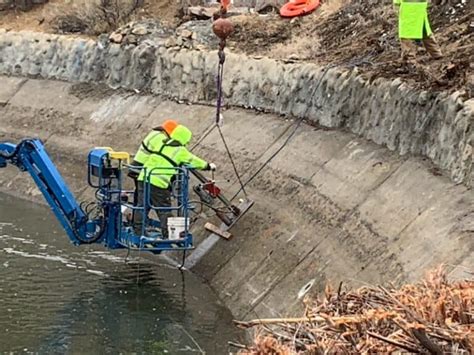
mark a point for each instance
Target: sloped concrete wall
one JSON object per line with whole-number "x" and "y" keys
{"x": 389, "y": 113}
{"x": 331, "y": 207}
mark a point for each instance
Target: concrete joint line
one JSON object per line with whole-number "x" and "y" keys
{"x": 279, "y": 279}
{"x": 403, "y": 160}
{"x": 258, "y": 162}
{"x": 20, "y": 85}
{"x": 222, "y": 265}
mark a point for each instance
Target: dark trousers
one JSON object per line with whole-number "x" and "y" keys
{"x": 159, "y": 198}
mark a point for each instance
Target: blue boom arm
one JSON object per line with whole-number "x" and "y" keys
{"x": 31, "y": 156}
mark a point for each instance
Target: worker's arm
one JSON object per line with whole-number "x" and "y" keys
{"x": 185, "y": 157}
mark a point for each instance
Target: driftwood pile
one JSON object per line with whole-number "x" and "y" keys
{"x": 434, "y": 316}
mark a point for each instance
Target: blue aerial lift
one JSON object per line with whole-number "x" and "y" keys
{"x": 103, "y": 221}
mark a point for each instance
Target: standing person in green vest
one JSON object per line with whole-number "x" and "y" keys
{"x": 159, "y": 169}
{"x": 413, "y": 24}
{"x": 152, "y": 142}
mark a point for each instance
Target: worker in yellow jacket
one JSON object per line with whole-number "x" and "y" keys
{"x": 152, "y": 142}
{"x": 159, "y": 170}
{"x": 413, "y": 24}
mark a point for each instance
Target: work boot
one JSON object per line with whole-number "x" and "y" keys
{"x": 432, "y": 47}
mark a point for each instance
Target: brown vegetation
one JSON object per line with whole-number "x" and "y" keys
{"x": 433, "y": 316}
{"x": 97, "y": 17}
{"x": 340, "y": 32}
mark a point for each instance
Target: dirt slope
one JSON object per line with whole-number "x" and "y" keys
{"x": 343, "y": 32}
{"x": 43, "y": 17}
{"x": 340, "y": 32}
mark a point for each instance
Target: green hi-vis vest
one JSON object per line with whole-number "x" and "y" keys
{"x": 160, "y": 167}
{"x": 413, "y": 20}
{"x": 152, "y": 143}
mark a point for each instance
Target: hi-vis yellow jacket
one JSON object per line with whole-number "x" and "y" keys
{"x": 160, "y": 167}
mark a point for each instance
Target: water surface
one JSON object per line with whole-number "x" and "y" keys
{"x": 58, "y": 298}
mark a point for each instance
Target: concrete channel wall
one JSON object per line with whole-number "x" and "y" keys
{"x": 333, "y": 206}
{"x": 389, "y": 113}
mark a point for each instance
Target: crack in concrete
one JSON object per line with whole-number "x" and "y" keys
{"x": 281, "y": 278}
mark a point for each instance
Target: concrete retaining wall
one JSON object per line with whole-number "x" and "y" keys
{"x": 389, "y": 113}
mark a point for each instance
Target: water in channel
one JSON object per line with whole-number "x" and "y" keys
{"x": 58, "y": 298}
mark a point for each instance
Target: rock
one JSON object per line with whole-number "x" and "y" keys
{"x": 125, "y": 30}
{"x": 201, "y": 13}
{"x": 170, "y": 42}
{"x": 201, "y": 33}
{"x": 423, "y": 98}
{"x": 131, "y": 39}
{"x": 140, "y": 31}
{"x": 103, "y": 41}
{"x": 186, "y": 33}
{"x": 116, "y": 37}
{"x": 457, "y": 95}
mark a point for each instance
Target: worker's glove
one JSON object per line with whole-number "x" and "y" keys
{"x": 211, "y": 167}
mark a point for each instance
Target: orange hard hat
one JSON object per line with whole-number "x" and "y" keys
{"x": 169, "y": 126}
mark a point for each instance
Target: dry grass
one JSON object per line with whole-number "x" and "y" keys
{"x": 303, "y": 47}
{"x": 98, "y": 17}
{"x": 87, "y": 15}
